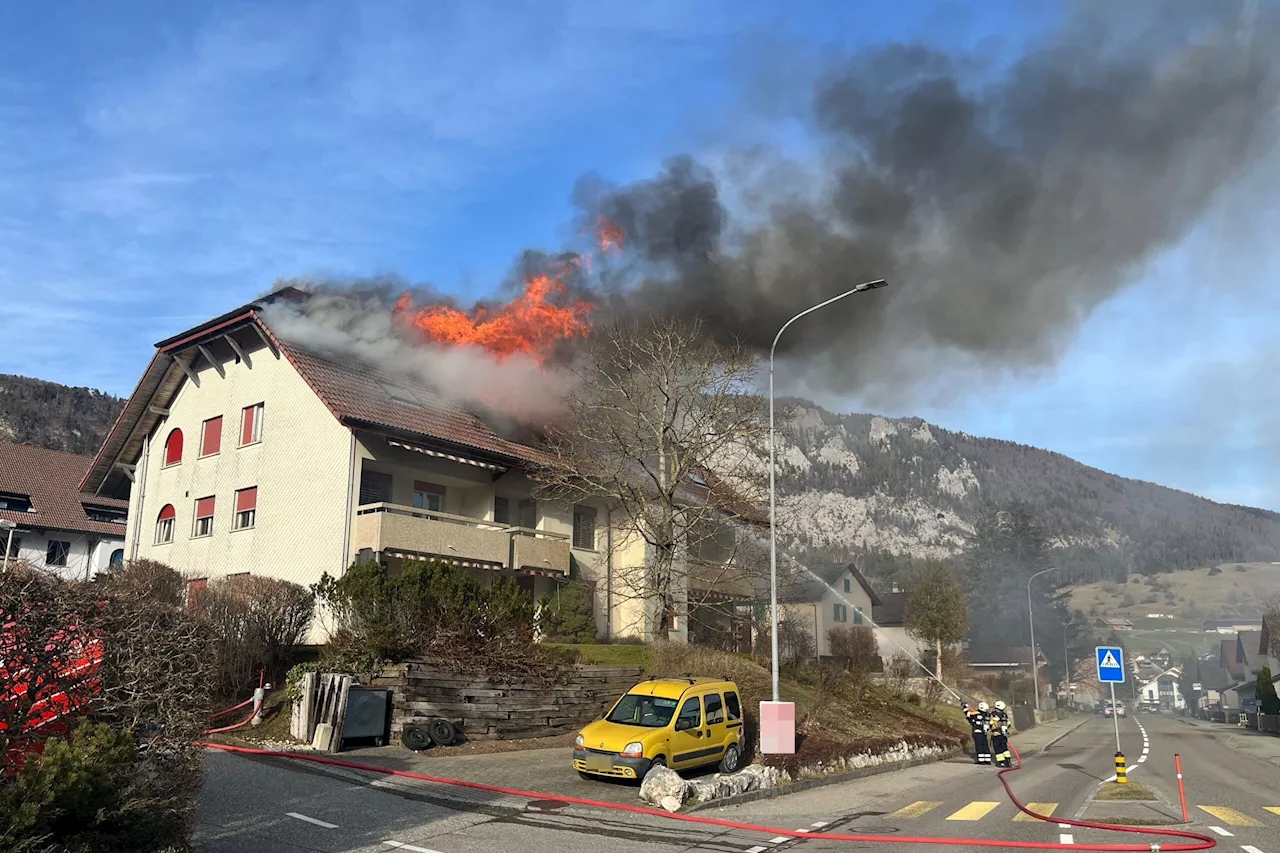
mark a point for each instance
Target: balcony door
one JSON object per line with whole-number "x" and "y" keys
{"x": 375, "y": 487}
{"x": 428, "y": 496}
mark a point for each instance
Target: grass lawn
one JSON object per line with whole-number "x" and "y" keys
{"x": 1131, "y": 791}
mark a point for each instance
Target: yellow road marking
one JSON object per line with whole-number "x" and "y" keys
{"x": 1273, "y": 809}
{"x": 1045, "y": 809}
{"x": 1230, "y": 816}
{"x": 974, "y": 811}
{"x": 915, "y": 809}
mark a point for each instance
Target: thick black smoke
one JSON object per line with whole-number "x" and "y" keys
{"x": 1004, "y": 203}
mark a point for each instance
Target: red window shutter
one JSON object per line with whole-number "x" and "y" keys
{"x": 247, "y": 499}
{"x": 246, "y": 425}
{"x": 204, "y": 507}
{"x": 167, "y": 512}
{"x": 173, "y": 447}
{"x": 211, "y": 439}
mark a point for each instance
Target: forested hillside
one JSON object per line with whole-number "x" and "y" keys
{"x": 55, "y": 416}
{"x": 881, "y": 490}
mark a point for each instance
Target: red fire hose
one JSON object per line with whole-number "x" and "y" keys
{"x": 1202, "y": 842}
{"x": 243, "y": 722}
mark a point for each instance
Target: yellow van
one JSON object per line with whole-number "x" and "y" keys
{"x": 681, "y": 723}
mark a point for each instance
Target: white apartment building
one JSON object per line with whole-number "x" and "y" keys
{"x": 47, "y": 523}
{"x": 242, "y": 452}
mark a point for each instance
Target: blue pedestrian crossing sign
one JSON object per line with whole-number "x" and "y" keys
{"x": 1110, "y": 664}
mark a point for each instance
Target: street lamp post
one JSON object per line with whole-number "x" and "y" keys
{"x": 773, "y": 530}
{"x": 1035, "y": 680}
{"x": 6, "y": 524}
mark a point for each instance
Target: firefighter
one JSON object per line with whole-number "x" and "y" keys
{"x": 978, "y": 723}
{"x": 999, "y": 725}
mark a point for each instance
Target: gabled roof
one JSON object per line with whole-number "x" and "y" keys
{"x": 51, "y": 479}
{"x": 891, "y": 610}
{"x": 813, "y": 589}
{"x": 1213, "y": 677}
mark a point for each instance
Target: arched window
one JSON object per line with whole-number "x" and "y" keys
{"x": 117, "y": 558}
{"x": 173, "y": 448}
{"x": 164, "y": 525}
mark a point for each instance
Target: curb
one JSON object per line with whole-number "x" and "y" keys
{"x": 822, "y": 781}
{"x": 1064, "y": 734}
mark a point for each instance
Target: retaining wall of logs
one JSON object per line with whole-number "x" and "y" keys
{"x": 502, "y": 708}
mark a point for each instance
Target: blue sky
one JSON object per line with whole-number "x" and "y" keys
{"x": 161, "y": 163}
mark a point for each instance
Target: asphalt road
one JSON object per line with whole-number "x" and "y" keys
{"x": 252, "y": 804}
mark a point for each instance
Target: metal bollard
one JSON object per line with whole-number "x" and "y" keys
{"x": 1120, "y": 769}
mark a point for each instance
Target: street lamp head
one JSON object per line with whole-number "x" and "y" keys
{"x": 872, "y": 285}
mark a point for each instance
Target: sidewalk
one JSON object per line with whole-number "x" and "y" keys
{"x": 1260, "y": 745}
{"x": 1047, "y": 734}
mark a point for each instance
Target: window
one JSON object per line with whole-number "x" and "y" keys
{"x": 848, "y": 585}
{"x": 204, "y": 517}
{"x": 14, "y": 502}
{"x": 715, "y": 708}
{"x": 841, "y": 613}
{"x": 428, "y": 496}
{"x": 107, "y": 514}
{"x": 164, "y": 524}
{"x": 690, "y": 715}
{"x": 731, "y": 703}
{"x": 502, "y": 510}
{"x": 251, "y": 424}
{"x": 246, "y": 508}
{"x": 857, "y": 616}
{"x": 528, "y": 514}
{"x": 211, "y": 436}
{"x": 375, "y": 487}
{"x": 57, "y": 553}
{"x": 117, "y": 558}
{"x": 15, "y": 543}
{"x": 584, "y": 527}
{"x": 173, "y": 447}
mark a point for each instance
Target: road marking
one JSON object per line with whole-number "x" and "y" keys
{"x": 400, "y": 845}
{"x": 1045, "y": 809}
{"x": 1273, "y": 809}
{"x": 818, "y": 824}
{"x": 1064, "y": 826}
{"x": 1230, "y": 816}
{"x": 297, "y": 816}
{"x": 976, "y": 810}
{"x": 1249, "y": 848}
{"x": 1066, "y": 838}
{"x": 780, "y": 839}
{"x": 1222, "y": 831}
{"x": 915, "y": 809}
{"x": 755, "y": 850}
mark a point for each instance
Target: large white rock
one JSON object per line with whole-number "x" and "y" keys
{"x": 663, "y": 783}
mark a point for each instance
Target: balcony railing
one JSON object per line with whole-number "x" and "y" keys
{"x": 428, "y": 533}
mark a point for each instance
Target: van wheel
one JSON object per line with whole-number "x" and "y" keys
{"x": 585, "y": 775}
{"x": 729, "y": 763}
{"x": 658, "y": 761}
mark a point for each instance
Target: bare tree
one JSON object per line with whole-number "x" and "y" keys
{"x": 665, "y": 428}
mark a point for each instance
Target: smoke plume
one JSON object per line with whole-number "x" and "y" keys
{"x": 1003, "y": 204}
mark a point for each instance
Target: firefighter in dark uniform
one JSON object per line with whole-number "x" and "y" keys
{"x": 999, "y": 725}
{"x": 978, "y": 723}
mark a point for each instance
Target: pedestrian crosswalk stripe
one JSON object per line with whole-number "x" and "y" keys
{"x": 1230, "y": 816}
{"x": 1273, "y": 809}
{"x": 1045, "y": 809}
{"x": 974, "y": 811}
{"x": 915, "y": 809}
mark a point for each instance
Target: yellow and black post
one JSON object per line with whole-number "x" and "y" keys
{"x": 1120, "y": 771}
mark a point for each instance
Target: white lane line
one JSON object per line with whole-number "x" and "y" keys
{"x": 818, "y": 824}
{"x": 755, "y": 850}
{"x": 1064, "y": 826}
{"x": 780, "y": 839}
{"x": 1066, "y": 838}
{"x": 400, "y": 845}
{"x": 297, "y": 816}
{"x": 1249, "y": 848}
{"x": 1222, "y": 831}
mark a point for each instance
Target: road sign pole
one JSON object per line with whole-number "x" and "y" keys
{"x": 1115, "y": 716}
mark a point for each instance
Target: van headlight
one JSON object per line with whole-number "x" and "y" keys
{"x": 579, "y": 741}
{"x": 635, "y": 749}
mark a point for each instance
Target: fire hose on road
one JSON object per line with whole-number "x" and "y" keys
{"x": 1198, "y": 841}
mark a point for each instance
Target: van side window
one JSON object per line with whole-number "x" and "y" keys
{"x": 715, "y": 708}
{"x": 690, "y": 715}
{"x": 731, "y": 702}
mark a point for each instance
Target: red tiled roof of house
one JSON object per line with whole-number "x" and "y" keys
{"x": 51, "y": 479}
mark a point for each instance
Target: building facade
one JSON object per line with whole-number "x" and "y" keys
{"x": 836, "y": 597}
{"x": 241, "y": 452}
{"x": 47, "y": 523}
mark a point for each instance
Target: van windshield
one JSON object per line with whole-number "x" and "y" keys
{"x": 651, "y": 712}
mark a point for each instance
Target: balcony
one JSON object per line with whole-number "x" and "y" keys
{"x": 412, "y": 532}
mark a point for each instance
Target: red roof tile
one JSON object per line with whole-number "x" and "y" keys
{"x": 51, "y": 479}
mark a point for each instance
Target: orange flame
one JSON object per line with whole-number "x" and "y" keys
{"x": 609, "y": 234}
{"x": 528, "y": 324}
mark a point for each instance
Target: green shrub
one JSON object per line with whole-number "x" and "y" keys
{"x": 568, "y": 616}
{"x": 1268, "y": 701}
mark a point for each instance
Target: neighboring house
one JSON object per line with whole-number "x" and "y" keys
{"x": 1232, "y": 626}
{"x": 992, "y": 662}
{"x": 240, "y": 451}
{"x": 58, "y": 528}
{"x": 1163, "y": 691}
{"x": 1213, "y": 681}
{"x": 1113, "y": 624}
{"x": 891, "y": 630}
{"x": 839, "y": 597}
